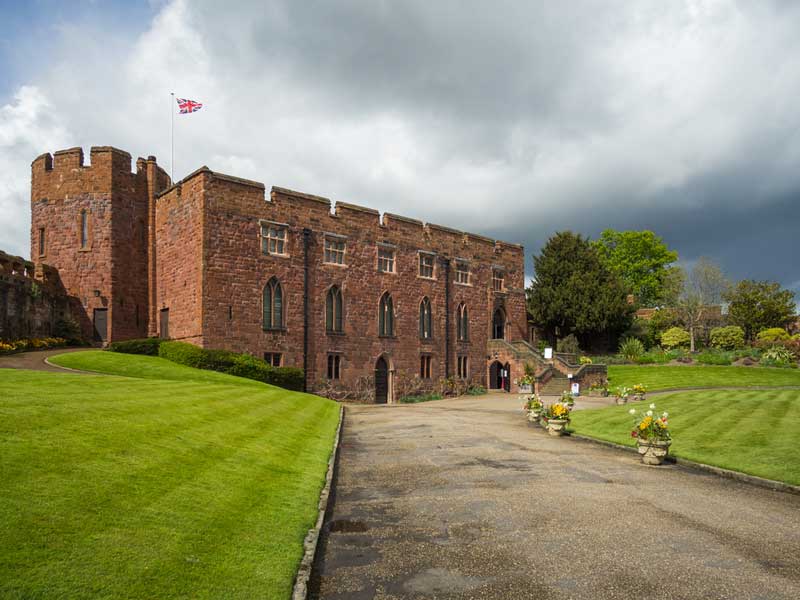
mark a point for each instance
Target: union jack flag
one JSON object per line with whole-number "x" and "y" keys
{"x": 188, "y": 106}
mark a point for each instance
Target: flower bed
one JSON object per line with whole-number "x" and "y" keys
{"x": 9, "y": 347}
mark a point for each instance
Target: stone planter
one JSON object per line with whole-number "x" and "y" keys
{"x": 653, "y": 452}
{"x": 557, "y": 427}
{"x": 534, "y": 415}
{"x": 638, "y": 397}
{"x": 621, "y": 399}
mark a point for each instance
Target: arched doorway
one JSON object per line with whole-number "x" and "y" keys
{"x": 381, "y": 381}
{"x": 499, "y": 325}
{"x": 500, "y": 376}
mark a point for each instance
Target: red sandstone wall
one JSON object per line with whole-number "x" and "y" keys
{"x": 179, "y": 258}
{"x": 114, "y": 261}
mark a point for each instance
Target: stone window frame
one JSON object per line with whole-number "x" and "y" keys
{"x": 334, "y": 371}
{"x": 341, "y": 253}
{"x": 425, "y": 366}
{"x": 498, "y": 275}
{"x": 386, "y": 316}
{"x": 42, "y": 243}
{"x": 387, "y": 261}
{"x": 462, "y": 322}
{"x": 273, "y": 357}
{"x": 463, "y": 272}
{"x": 422, "y": 254}
{"x": 425, "y": 319}
{"x": 84, "y": 230}
{"x": 334, "y": 310}
{"x": 268, "y": 323}
{"x": 463, "y": 366}
{"x": 266, "y": 231}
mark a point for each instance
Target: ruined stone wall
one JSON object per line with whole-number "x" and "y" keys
{"x": 30, "y": 305}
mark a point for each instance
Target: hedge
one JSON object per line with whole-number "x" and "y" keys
{"x": 148, "y": 346}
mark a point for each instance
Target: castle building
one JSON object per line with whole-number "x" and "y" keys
{"x": 369, "y": 306}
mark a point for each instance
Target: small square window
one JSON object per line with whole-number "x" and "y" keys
{"x": 425, "y": 366}
{"x": 498, "y": 280}
{"x": 334, "y": 250}
{"x": 273, "y": 239}
{"x": 385, "y": 260}
{"x": 273, "y": 358}
{"x": 462, "y": 272}
{"x": 426, "y": 265}
{"x": 334, "y": 366}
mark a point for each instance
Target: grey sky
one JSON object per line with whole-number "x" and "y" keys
{"x": 513, "y": 119}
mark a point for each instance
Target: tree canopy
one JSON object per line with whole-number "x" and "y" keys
{"x": 703, "y": 287}
{"x": 757, "y": 305}
{"x": 575, "y": 292}
{"x": 642, "y": 260}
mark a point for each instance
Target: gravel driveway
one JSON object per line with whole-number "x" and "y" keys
{"x": 463, "y": 499}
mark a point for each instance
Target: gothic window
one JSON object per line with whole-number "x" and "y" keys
{"x": 462, "y": 321}
{"x": 425, "y": 320}
{"x": 333, "y": 310}
{"x": 386, "y": 316}
{"x": 273, "y": 239}
{"x": 273, "y": 305}
{"x": 334, "y": 250}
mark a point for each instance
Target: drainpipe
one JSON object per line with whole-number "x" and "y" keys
{"x": 306, "y": 259}
{"x": 446, "y": 263}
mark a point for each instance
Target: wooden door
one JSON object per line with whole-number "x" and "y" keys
{"x": 101, "y": 324}
{"x": 164, "y": 323}
{"x": 381, "y": 381}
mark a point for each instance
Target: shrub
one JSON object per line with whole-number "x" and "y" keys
{"x": 727, "y": 338}
{"x": 423, "y": 398}
{"x": 773, "y": 334}
{"x": 148, "y": 346}
{"x": 569, "y": 345}
{"x": 714, "y": 358}
{"x": 68, "y": 329}
{"x": 476, "y": 390}
{"x": 675, "y": 337}
{"x": 585, "y": 360}
{"x": 778, "y": 356}
{"x": 631, "y": 349}
{"x": 183, "y": 354}
{"x": 250, "y": 367}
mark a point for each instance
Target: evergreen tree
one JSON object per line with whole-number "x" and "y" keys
{"x": 574, "y": 292}
{"x": 757, "y": 305}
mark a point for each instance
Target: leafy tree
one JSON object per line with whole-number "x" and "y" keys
{"x": 643, "y": 262}
{"x": 703, "y": 288}
{"x": 757, "y": 305}
{"x": 574, "y": 292}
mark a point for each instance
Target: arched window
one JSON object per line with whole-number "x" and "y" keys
{"x": 462, "y": 323}
{"x": 273, "y": 305}
{"x": 333, "y": 310}
{"x": 386, "y": 316}
{"x": 425, "y": 321}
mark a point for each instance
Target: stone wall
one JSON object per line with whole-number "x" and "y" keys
{"x": 30, "y": 307}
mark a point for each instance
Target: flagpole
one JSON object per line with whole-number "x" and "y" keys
{"x": 172, "y": 135}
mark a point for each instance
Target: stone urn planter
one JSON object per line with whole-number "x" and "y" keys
{"x": 653, "y": 452}
{"x": 621, "y": 399}
{"x": 557, "y": 427}
{"x": 534, "y": 415}
{"x": 638, "y": 397}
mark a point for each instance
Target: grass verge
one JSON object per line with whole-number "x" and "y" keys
{"x": 753, "y": 432}
{"x": 170, "y": 482}
{"x": 676, "y": 377}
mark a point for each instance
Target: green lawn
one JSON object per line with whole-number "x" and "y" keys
{"x": 754, "y": 432}
{"x": 169, "y": 483}
{"x": 660, "y": 377}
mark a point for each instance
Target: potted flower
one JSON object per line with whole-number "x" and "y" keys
{"x": 525, "y": 384}
{"x": 638, "y": 391}
{"x": 534, "y": 408}
{"x": 621, "y": 395}
{"x": 556, "y": 418}
{"x": 568, "y": 399}
{"x": 652, "y": 435}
